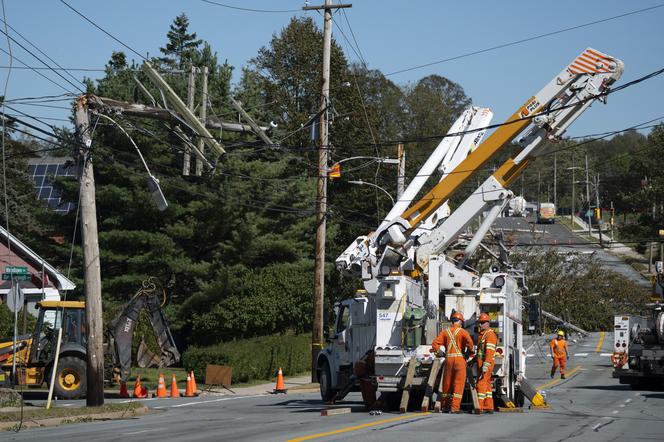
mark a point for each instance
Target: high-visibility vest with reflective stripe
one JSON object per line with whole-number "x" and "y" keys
{"x": 452, "y": 347}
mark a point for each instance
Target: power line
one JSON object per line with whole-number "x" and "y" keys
{"x": 102, "y": 29}
{"x": 524, "y": 40}
{"x": 45, "y": 55}
{"x": 250, "y": 9}
{"x": 42, "y": 61}
{"x": 56, "y": 69}
{"x": 13, "y": 57}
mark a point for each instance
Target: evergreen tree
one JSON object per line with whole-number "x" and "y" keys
{"x": 182, "y": 46}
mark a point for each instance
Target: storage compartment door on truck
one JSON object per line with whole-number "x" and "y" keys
{"x": 363, "y": 329}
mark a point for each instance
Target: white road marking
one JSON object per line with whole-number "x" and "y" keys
{"x": 215, "y": 400}
{"x": 615, "y": 412}
{"x": 141, "y": 400}
{"x": 605, "y": 354}
{"x": 637, "y": 394}
{"x": 622, "y": 405}
{"x": 627, "y": 401}
{"x": 603, "y": 424}
{"x": 141, "y": 431}
{"x": 580, "y": 354}
{"x": 530, "y": 355}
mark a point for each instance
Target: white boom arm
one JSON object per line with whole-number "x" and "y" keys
{"x": 448, "y": 154}
{"x": 548, "y": 114}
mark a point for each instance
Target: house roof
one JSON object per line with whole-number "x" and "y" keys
{"x": 60, "y": 281}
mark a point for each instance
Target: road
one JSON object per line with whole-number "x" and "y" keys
{"x": 588, "y": 406}
{"x": 525, "y": 231}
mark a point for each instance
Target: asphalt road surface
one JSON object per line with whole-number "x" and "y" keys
{"x": 525, "y": 231}
{"x": 588, "y": 406}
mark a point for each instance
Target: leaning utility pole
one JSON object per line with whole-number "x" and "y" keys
{"x": 93, "y": 316}
{"x": 317, "y": 337}
{"x": 191, "y": 91}
{"x": 202, "y": 113}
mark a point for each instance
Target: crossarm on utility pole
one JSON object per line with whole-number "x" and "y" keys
{"x": 182, "y": 108}
{"x": 257, "y": 129}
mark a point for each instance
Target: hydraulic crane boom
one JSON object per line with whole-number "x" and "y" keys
{"x": 548, "y": 114}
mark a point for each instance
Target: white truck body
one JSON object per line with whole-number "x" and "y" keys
{"x": 413, "y": 284}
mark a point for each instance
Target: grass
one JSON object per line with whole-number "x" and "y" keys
{"x": 72, "y": 413}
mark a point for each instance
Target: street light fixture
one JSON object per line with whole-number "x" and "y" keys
{"x": 360, "y": 182}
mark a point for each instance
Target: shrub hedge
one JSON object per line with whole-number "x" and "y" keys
{"x": 254, "y": 358}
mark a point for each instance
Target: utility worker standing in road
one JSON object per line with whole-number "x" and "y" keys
{"x": 559, "y": 353}
{"x": 486, "y": 348}
{"x": 457, "y": 343}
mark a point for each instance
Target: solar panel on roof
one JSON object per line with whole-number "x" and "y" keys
{"x": 43, "y": 175}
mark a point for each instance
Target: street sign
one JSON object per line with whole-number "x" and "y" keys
{"x": 16, "y": 276}
{"x": 15, "y": 299}
{"x": 16, "y": 269}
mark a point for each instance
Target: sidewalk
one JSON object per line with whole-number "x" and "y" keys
{"x": 615, "y": 247}
{"x": 300, "y": 384}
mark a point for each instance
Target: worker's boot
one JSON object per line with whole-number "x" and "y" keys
{"x": 562, "y": 376}
{"x": 553, "y": 373}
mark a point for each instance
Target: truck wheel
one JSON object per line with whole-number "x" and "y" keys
{"x": 325, "y": 381}
{"x": 70, "y": 379}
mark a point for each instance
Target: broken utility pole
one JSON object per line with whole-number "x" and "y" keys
{"x": 90, "y": 242}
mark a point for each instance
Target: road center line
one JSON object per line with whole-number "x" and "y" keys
{"x": 215, "y": 400}
{"x": 615, "y": 412}
{"x": 555, "y": 381}
{"x": 601, "y": 341}
{"x": 357, "y": 427}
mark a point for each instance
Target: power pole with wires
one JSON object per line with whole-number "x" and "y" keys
{"x": 191, "y": 91}
{"x": 317, "y": 336}
{"x": 202, "y": 113}
{"x": 401, "y": 174}
{"x": 90, "y": 242}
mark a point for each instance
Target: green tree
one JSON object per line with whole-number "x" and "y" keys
{"x": 182, "y": 46}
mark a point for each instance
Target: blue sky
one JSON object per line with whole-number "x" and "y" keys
{"x": 392, "y": 35}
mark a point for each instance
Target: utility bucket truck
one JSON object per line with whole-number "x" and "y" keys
{"x": 415, "y": 267}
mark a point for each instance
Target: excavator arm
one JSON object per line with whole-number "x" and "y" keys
{"x": 121, "y": 330}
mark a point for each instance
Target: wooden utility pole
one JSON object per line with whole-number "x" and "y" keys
{"x": 599, "y": 210}
{"x": 191, "y": 90}
{"x": 401, "y": 174}
{"x": 202, "y": 113}
{"x": 571, "y": 215}
{"x": 555, "y": 181}
{"x": 93, "y": 309}
{"x": 317, "y": 338}
{"x": 588, "y": 213}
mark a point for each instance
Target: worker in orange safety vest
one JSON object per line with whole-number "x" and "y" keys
{"x": 559, "y": 353}
{"x": 457, "y": 344}
{"x": 486, "y": 348}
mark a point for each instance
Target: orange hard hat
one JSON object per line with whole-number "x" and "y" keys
{"x": 483, "y": 317}
{"x": 457, "y": 315}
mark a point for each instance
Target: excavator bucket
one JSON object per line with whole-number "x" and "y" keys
{"x": 146, "y": 358}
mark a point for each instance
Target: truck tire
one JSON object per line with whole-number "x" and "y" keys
{"x": 325, "y": 381}
{"x": 70, "y": 379}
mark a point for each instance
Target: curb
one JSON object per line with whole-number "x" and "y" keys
{"x": 55, "y": 421}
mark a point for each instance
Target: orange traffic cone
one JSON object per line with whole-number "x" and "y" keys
{"x": 140, "y": 391}
{"x": 123, "y": 390}
{"x": 189, "y": 391}
{"x": 194, "y": 387}
{"x": 280, "y": 388}
{"x": 161, "y": 387}
{"x": 174, "y": 387}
